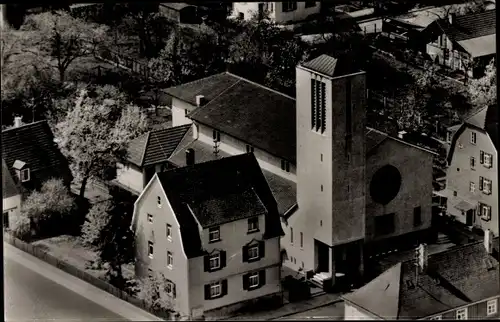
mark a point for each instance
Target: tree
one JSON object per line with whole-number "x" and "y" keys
{"x": 152, "y": 290}
{"x": 95, "y": 221}
{"x": 483, "y": 91}
{"x": 61, "y": 39}
{"x": 409, "y": 113}
{"x": 94, "y": 133}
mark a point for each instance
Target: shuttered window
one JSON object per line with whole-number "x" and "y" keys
{"x": 214, "y": 262}
{"x": 254, "y": 280}
{"x": 215, "y": 290}
{"x": 254, "y": 252}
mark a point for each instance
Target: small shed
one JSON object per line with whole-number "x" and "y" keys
{"x": 180, "y": 12}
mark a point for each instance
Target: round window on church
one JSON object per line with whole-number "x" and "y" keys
{"x": 385, "y": 184}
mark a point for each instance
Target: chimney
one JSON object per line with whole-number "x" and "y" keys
{"x": 200, "y": 100}
{"x": 488, "y": 241}
{"x": 401, "y": 134}
{"x": 189, "y": 156}
{"x": 451, "y": 18}
{"x": 422, "y": 256}
{"x": 18, "y": 121}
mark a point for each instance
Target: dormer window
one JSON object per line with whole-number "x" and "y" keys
{"x": 249, "y": 148}
{"x": 285, "y": 165}
{"x": 22, "y": 170}
{"x": 216, "y": 136}
{"x": 25, "y": 175}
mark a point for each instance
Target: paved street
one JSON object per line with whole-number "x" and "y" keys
{"x": 37, "y": 291}
{"x": 333, "y": 311}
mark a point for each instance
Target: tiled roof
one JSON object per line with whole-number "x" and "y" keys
{"x": 9, "y": 187}
{"x": 480, "y": 46}
{"x": 33, "y": 144}
{"x": 470, "y": 26}
{"x": 454, "y": 278}
{"x": 251, "y": 113}
{"x": 217, "y": 192}
{"x": 284, "y": 191}
{"x": 329, "y": 66}
{"x": 155, "y": 146}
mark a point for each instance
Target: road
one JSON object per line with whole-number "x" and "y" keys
{"x": 37, "y": 291}
{"x": 330, "y": 312}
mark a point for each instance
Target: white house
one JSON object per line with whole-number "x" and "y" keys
{"x": 280, "y": 12}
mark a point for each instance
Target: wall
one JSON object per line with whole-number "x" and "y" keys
{"x": 415, "y": 167}
{"x": 234, "y": 146}
{"x": 130, "y": 176}
{"x": 247, "y": 8}
{"x": 156, "y": 232}
{"x": 477, "y": 310}
{"x": 457, "y": 60}
{"x": 299, "y": 14}
{"x": 179, "y": 112}
{"x": 459, "y": 180}
{"x": 233, "y": 238}
{"x": 12, "y": 205}
{"x": 352, "y": 312}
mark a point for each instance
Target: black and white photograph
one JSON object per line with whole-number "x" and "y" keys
{"x": 217, "y": 160}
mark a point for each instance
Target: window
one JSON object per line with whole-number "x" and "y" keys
{"x": 321, "y": 157}
{"x": 169, "y": 232}
{"x": 455, "y": 193}
{"x": 487, "y": 186}
{"x": 214, "y": 261}
{"x": 150, "y": 273}
{"x": 488, "y": 160}
{"x": 437, "y": 317}
{"x": 241, "y": 15}
{"x": 291, "y": 235}
{"x": 253, "y": 252}
{"x": 253, "y": 224}
{"x": 301, "y": 240}
{"x": 170, "y": 288}
{"x": 485, "y": 211}
{"x": 150, "y": 249}
{"x": 289, "y": 6}
{"x": 25, "y": 175}
{"x": 310, "y": 4}
{"x": 150, "y": 218}
{"x": 321, "y": 187}
{"x": 285, "y": 165}
{"x": 473, "y": 137}
{"x": 318, "y": 105}
{"x": 417, "y": 216}
{"x": 481, "y": 183}
{"x": 159, "y": 201}
{"x": 253, "y": 280}
{"x": 6, "y": 219}
{"x": 472, "y": 162}
{"x": 249, "y": 149}
{"x": 461, "y": 314}
{"x": 214, "y": 234}
{"x": 215, "y": 289}
{"x": 186, "y": 112}
{"x": 170, "y": 260}
{"x": 216, "y": 136}
{"x": 384, "y": 224}
{"x": 472, "y": 187}
{"x": 491, "y": 307}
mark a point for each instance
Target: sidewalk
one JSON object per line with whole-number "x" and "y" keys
{"x": 92, "y": 293}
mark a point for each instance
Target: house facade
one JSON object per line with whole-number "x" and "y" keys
{"x": 472, "y": 177}
{"x": 212, "y": 229}
{"x": 280, "y": 12}
{"x": 11, "y": 203}
{"x": 466, "y": 43}
{"x": 435, "y": 287}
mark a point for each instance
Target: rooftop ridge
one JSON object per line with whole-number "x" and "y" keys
{"x": 24, "y": 125}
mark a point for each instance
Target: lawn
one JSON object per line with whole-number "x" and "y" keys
{"x": 70, "y": 250}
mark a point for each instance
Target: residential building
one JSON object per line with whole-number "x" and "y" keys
{"x": 11, "y": 203}
{"x": 279, "y": 12}
{"x": 146, "y": 155}
{"x": 32, "y": 156}
{"x": 213, "y": 230}
{"x": 324, "y": 167}
{"x": 472, "y": 175}
{"x": 466, "y": 43}
{"x": 458, "y": 284}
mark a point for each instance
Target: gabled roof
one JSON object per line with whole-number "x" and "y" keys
{"x": 155, "y": 146}
{"x": 32, "y": 144}
{"x": 375, "y": 138}
{"x": 250, "y": 112}
{"x": 469, "y": 26}
{"x": 217, "y": 192}
{"x": 9, "y": 187}
{"x": 454, "y": 278}
{"x": 329, "y": 66}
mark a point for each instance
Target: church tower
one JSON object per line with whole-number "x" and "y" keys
{"x": 330, "y": 105}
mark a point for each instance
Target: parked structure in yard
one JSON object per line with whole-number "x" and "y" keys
{"x": 461, "y": 283}
{"x": 472, "y": 175}
{"x": 341, "y": 188}
{"x": 146, "y": 155}
{"x": 213, "y": 230}
{"x": 466, "y": 43}
{"x": 280, "y": 12}
{"x": 11, "y": 203}
{"x": 179, "y": 12}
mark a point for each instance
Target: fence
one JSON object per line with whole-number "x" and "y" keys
{"x": 97, "y": 282}
{"x": 124, "y": 62}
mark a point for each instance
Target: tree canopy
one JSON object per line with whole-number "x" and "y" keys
{"x": 483, "y": 91}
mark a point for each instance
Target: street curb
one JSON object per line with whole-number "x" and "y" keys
{"x": 311, "y": 308}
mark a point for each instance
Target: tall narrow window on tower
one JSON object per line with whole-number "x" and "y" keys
{"x": 348, "y": 116}
{"x": 318, "y": 105}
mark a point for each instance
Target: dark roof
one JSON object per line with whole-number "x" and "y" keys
{"x": 33, "y": 144}
{"x": 454, "y": 278}
{"x": 284, "y": 191}
{"x": 217, "y": 192}
{"x": 155, "y": 146}
{"x": 329, "y": 66}
{"x": 245, "y": 110}
{"x": 470, "y": 26}
{"x": 374, "y": 138}
{"x": 177, "y": 6}
{"x": 9, "y": 187}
